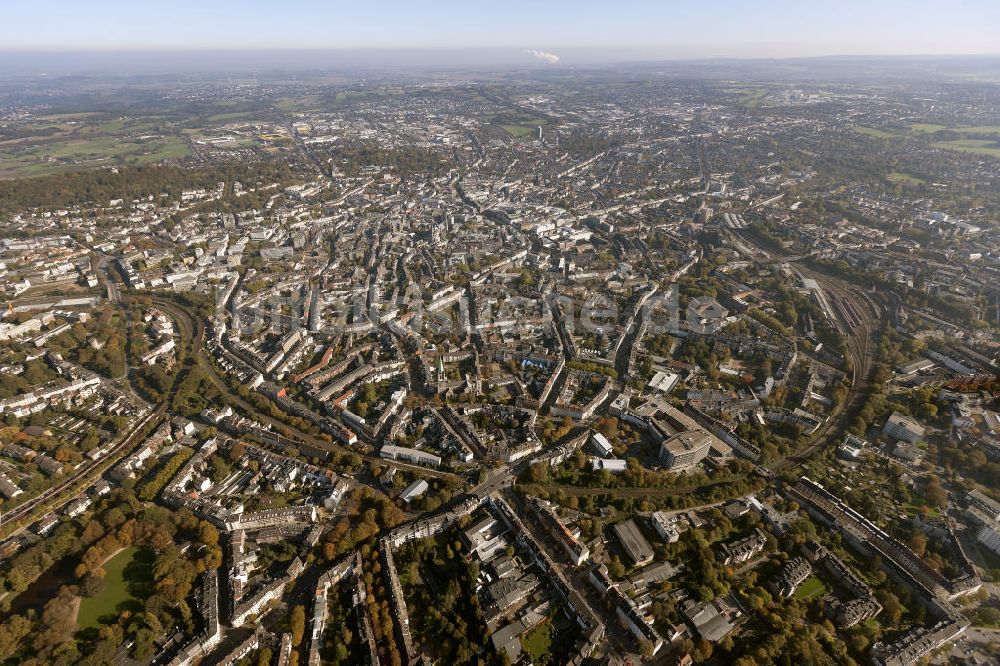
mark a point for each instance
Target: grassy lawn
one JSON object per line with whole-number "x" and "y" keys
{"x": 915, "y": 503}
{"x": 127, "y": 574}
{"x": 926, "y": 128}
{"x": 520, "y": 131}
{"x": 69, "y": 116}
{"x": 753, "y": 98}
{"x": 537, "y": 642}
{"x": 810, "y": 589}
{"x": 980, "y": 129}
{"x": 88, "y": 140}
{"x": 173, "y": 147}
{"x": 348, "y": 95}
{"x": 976, "y": 146}
{"x": 931, "y": 128}
{"x": 905, "y": 178}
{"x": 304, "y": 103}
{"x": 50, "y": 157}
{"x": 915, "y": 507}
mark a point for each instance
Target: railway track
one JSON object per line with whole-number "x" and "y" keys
{"x": 858, "y": 323}
{"x": 632, "y": 493}
{"x": 859, "y": 318}
{"x": 88, "y": 472}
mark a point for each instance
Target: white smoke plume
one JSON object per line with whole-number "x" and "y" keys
{"x": 544, "y": 55}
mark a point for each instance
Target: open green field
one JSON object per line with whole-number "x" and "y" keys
{"x": 810, "y": 589}
{"x": 172, "y": 147}
{"x": 521, "y": 124}
{"x": 905, "y": 178}
{"x": 69, "y": 116}
{"x": 127, "y": 575}
{"x": 926, "y": 128}
{"x": 349, "y": 95}
{"x": 537, "y": 642}
{"x": 51, "y": 144}
{"x": 976, "y": 146}
{"x": 753, "y": 97}
{"x": 978, "y": 129}
{"x": 304, "y": 103}
{"x": 520, "y": 131}
{"x": 932, "y": 128}
{"x": 87, "y": 149}
{"x": 90, "y": 153}
{"x": 974, "y": 141}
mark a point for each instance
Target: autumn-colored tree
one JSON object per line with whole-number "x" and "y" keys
{"x": 297, "y": 624}
{"x": 208, "y": 534}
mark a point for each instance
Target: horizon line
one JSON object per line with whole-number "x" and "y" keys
{"x": 511, "y": 49}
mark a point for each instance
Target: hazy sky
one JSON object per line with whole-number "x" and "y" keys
{"x": 671, "y": 28}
